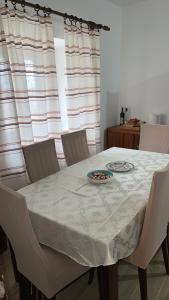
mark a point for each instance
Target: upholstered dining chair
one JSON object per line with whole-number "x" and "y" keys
{"x": 75, "y": 146}
{"x": 47, "y": 271}
{"x": 41, "y": 159}
{"x": 155, "y": 228}
{"x": 154, "y": 138}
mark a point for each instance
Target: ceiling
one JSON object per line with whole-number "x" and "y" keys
{"x": 126, "y": 2}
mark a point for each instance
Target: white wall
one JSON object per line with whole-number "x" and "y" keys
{"x": 100, "y": 11}
{"x": 145, "y": 59}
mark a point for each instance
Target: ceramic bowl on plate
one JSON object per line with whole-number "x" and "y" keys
{"x": 120, "y": 166}
{"x": 100, "y": 176}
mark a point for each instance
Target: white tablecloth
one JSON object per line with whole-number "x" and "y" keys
{"x": 93, "y": 224}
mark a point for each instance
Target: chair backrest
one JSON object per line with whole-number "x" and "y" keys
{"x": 41, "y": 159}
{"x": 75, "y": 146}
{"x": 154, "y": 138}
{"x": 14, "y": 219}
{"x": 156, "y": 220}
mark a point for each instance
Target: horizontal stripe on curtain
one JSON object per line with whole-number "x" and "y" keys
{"x": 82, "y": 47}
{"x": 29, "y": 104}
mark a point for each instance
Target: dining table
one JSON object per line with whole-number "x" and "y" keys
{"x": 96, "y": 225}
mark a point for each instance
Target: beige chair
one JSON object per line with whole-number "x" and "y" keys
{"x": 41, "y": 159}
{"x": 154, "y": 138}
{"x": 75, "y": 146}
{"x": 154, "y": 231}
{"x": 47, "y": 270}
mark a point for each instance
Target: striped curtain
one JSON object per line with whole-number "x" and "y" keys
{"x": 82, "y": 47}
{"x": 29, "y": 105}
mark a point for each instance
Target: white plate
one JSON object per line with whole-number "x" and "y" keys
{"x": 120, "y": 166}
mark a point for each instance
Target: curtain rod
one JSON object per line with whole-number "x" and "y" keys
{"x": 47, "y": 10}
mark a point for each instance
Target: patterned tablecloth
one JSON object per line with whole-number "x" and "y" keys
{"x": 93, "y": 224}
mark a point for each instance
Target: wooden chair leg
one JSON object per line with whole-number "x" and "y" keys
{"x": 23, "y": 288}
{"x": 143, "y": 283}
{"x": 21, "y": 291}
{"x": 16, "y": 273}
{"x": 33, "y": 292}
{"x": 91, "y": 276}
{"x": 39, "y": 295}
{"x": 168, "y": 236}
{"x": 3, "y": 239}
{"x": 165, "y": 251}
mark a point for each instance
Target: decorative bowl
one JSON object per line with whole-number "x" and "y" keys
{"x": 100, "y": 176}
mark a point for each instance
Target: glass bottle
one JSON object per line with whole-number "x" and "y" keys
{"x": 122, "y": 117}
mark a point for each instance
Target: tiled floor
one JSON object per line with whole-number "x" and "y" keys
{"x": 158, "y": 283}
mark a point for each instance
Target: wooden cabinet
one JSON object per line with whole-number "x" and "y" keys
{"x": 123, "y": 137}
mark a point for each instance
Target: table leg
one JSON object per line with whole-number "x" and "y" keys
{"x": 108, "y": 282}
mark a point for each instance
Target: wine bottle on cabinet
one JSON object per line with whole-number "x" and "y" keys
{"x": 122, "y": 117}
